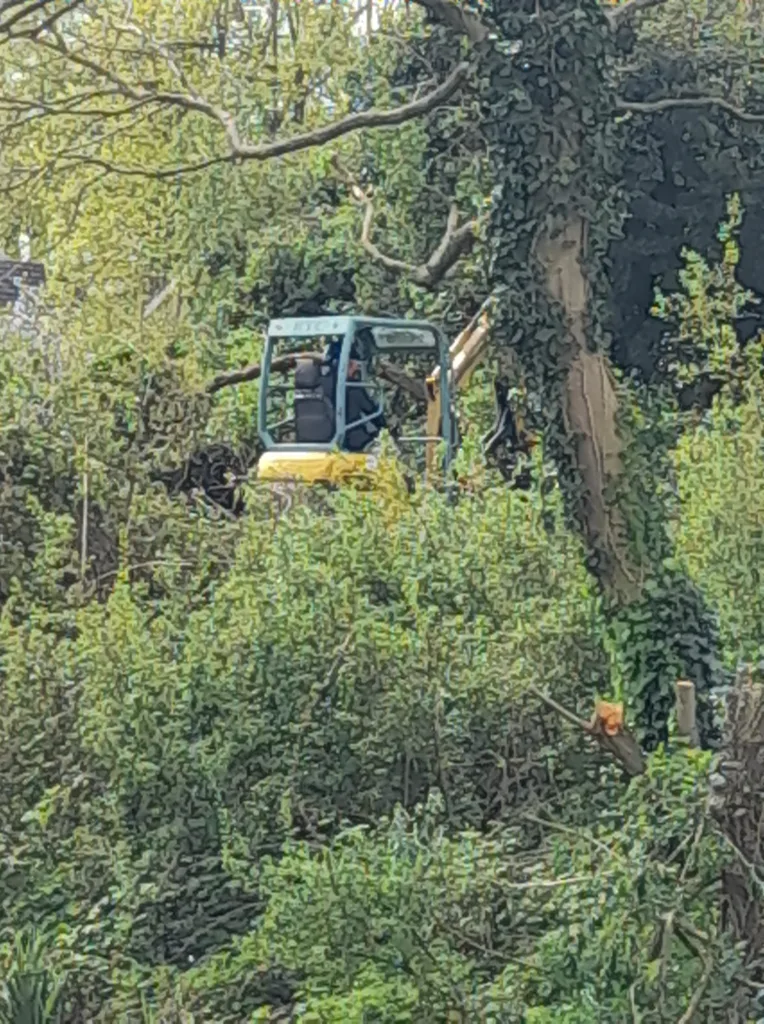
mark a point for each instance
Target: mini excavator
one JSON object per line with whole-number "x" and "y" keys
{"x": 321, "y": 405}
{"x": 320, "y": 413}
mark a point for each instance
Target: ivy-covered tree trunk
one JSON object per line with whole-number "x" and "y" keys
{"x": 556, "y": 147}
{"x": 589, "y": 411}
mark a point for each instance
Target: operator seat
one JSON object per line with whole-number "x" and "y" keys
{"x": 314, "y": 415}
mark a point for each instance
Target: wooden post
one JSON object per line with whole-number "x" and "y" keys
{"x": 686, "y": 723}
{"x": 84, "y": 531}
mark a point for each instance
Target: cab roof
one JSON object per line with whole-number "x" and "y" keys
{"x": 322, "y": 326}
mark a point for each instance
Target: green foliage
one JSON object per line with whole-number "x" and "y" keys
{"x": 669, "y": 634}
{"x": 336, "y": 759}
{"x": 719, "y": 535}
{"x": 718, "y": 529}
{"x": 702, "y": 314}
{"x": 344, "y": 664}
{"x": 403, "y": 921}
{"x": 296, "y": 763}
{"x": 30, "y": 993}
{"x": 689, "y": 619}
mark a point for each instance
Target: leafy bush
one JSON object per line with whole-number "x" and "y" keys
{"x": 345, "y": 663}
{"x": 405, "y": 921}
{"x": 720, "y": 532}
{"x": 719, "y": 461}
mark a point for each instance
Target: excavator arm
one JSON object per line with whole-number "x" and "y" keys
{"x": 466, "y": 353}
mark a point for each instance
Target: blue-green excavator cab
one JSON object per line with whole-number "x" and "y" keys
{"x": 321, "y": 402}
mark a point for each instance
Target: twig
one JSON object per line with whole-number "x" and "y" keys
{"x": 635, "y": 1016}
{"x": 684, "y": 926}
{"x": 551, "y": 883}
{"x": 37, "y": 5}
{"x": 563, "y": 712}
{"x": 558, "y": 827}
{"x": 699, "y": 992}
{"x": 153, "y": 305}
{"x": 156, "y": 563}
{"x": 336, "y": 665}
{"x": 667, "y": 933}
{"x": 695, "y": 841}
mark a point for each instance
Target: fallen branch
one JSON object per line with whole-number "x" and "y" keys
{"x": 606, "y": 727}
{"x": 387, "y": 371}
{"x": 247, "y": 373}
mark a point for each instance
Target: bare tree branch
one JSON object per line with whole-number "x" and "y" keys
{"x": 31, "y": 8}
{"x": 388, "y": 262}
{"x": 239, "y": 149}
{"x": 156, "y": 174}
{"x": 455, "y": 243}
{"x": 688, "y": 102}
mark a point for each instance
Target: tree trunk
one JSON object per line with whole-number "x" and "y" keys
{"x": 590, "y": 407}
{"x": 737, "y": 804}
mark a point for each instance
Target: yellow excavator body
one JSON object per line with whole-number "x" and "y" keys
{"x": 332, "y": 467}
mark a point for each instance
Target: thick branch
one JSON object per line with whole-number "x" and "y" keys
{"x": 455, "y": 243}
{"x": 387, "y": 371}
{"x": 388, "y": 262}
{"x": 355, "y": 122}
{"x": 253, "y": 372}
{"x": 688, "y": 102}
{"x": 612, "y": 737}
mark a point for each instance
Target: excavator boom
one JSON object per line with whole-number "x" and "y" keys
{"x": 465, "y": 352}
